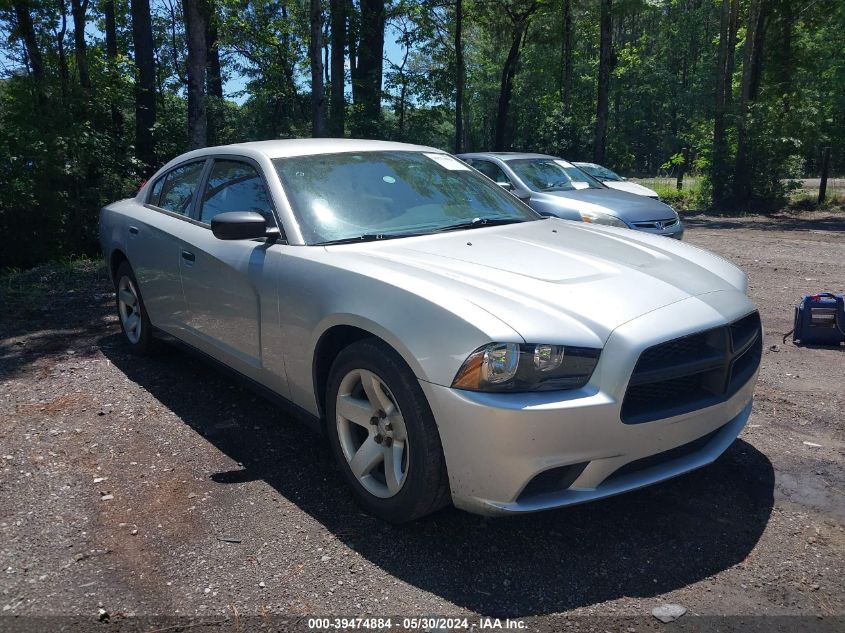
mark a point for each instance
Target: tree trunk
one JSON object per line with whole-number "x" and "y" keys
{"x": 566, "y": 92}
{"x": 520, "y": 23}
{"x": 724, "y": 76}
{"x": 605, "y": 62}
{"x": 353, "y": 20}
{"x": 751, "y": 70}
{"x": 145, "y": 102}
{"x": 196, "y": 21}
{"x": 338, "y": 85}
{"x": 214, "y": 80}
{"x": 460, "y": 75}
{"x": 318, "y": 93}
{"x": 111, "y": 62}
{"x": 64, "y": 74}
{"x": 26, "y": 32}
{"x": 370, "y": 67}
{"x": 78, "y": 9}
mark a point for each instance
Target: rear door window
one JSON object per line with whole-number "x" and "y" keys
{"x": 179, "y": 188}
{"x": 492, "y": 171}
{"x": 155, "y": 191}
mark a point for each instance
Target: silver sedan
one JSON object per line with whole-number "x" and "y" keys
{"x": 453, "y": 344}
{"x": 553, "y": 186}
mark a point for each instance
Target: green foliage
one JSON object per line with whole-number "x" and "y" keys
{"x": 66, "y": 150}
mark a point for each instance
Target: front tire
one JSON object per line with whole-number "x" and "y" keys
{"x": 132, "y": 314}
{"x": 383, "y": 434}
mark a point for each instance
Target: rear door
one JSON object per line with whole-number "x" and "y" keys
{"x": 228, "y": 284}
{"x": 155, "y": 243}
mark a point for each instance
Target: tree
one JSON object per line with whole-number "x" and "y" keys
{"x": 338, "y": 67}
{"x": 113, "y": 73}
{"x": 214, "y": 77}
{"x": 752, "y": 66}
{"x": 605, "y": 67}
{"x": 460, "y": 76}
{"x": 724, "y": 95}
{"x": 26, "y": 31}
{"x": 196, "y": 27}
{"x": 520, "y": 17}
{"x": 78, "y": 10}
{"x": 145, "y": 101}
{"x": 318, "y": 95}
{"x": 368, "y": 71}
{"x": 566, "y": 83}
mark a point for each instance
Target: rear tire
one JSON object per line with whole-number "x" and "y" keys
{"x": 134, "y": 321}
{"x": 383, "y": 434}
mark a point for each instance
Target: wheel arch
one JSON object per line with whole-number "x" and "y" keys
{"x": 116, "y": 258}
{"x": 335, "y": 339}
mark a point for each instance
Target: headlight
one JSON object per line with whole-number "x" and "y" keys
{"x": 526, "y": 367}
{"x": 594, "y": 217}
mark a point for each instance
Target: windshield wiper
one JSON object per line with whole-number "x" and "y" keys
{"x": 366, "y": 237}
{"x": 477, "y": 223}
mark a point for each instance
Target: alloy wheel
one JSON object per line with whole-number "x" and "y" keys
{"x": 372, "y": 433}
{"x": 129, "y": 308}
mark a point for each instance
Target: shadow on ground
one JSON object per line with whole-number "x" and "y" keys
{"x": 641, "y": 544}
{"x": 778, "y": 222}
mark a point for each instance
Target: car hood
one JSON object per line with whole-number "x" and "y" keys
{"x": 630, "y": 187}
{"x": 626, "y": 206}
{"x": 553, "y": 281}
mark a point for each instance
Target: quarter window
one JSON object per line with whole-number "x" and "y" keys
{"x": 235, "y": 186}
{"x": 177, "y": 193}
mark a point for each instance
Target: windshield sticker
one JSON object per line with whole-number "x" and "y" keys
{"x": 562, "y": 163}
{"x": 388, "y": 179}
{"x": 444, "y": 160}
{"x": 580, "y": 185}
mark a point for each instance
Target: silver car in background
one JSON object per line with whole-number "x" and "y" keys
{"x": 452, "y": 343}
{"x": 553, "y": 186}
{"x": 610, "y": 178}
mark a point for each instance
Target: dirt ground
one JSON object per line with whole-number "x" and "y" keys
{"x": 161, "y": 487}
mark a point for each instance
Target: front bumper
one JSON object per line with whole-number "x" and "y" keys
{"x": 495, "y": 444}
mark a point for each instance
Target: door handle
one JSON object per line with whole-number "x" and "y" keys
{"x": 188, "y": 257}
{"x": 133, "y": 230}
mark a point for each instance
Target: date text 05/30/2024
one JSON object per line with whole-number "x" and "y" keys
{"x": 413, "y": 623}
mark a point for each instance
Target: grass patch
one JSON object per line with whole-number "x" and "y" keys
{"x": 691, "y": 197}
{"x": 23, "y": 291}
{"x": 805, "y": 201}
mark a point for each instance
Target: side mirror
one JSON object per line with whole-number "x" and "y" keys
{"x": 240, "y": 225}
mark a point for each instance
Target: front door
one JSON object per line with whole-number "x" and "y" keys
{"x": 228, "y": 284}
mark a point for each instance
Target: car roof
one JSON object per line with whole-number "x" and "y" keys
{"x": 306, "y": 147}
{"x": 505, "y": 156}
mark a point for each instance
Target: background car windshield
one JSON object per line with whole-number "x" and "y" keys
{"x": 343, "y": 196}
{"x": 602, "y": 173}
{"x": 552, "y": 174}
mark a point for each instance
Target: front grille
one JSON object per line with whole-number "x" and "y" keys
{"x": 656, "y": 224}
{"x": 693, "y": 372}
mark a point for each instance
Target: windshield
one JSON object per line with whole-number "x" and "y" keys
{"x": 552, "y": 174}
{"x": 378, "y": 195}
{"x": 597, "y": 171}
